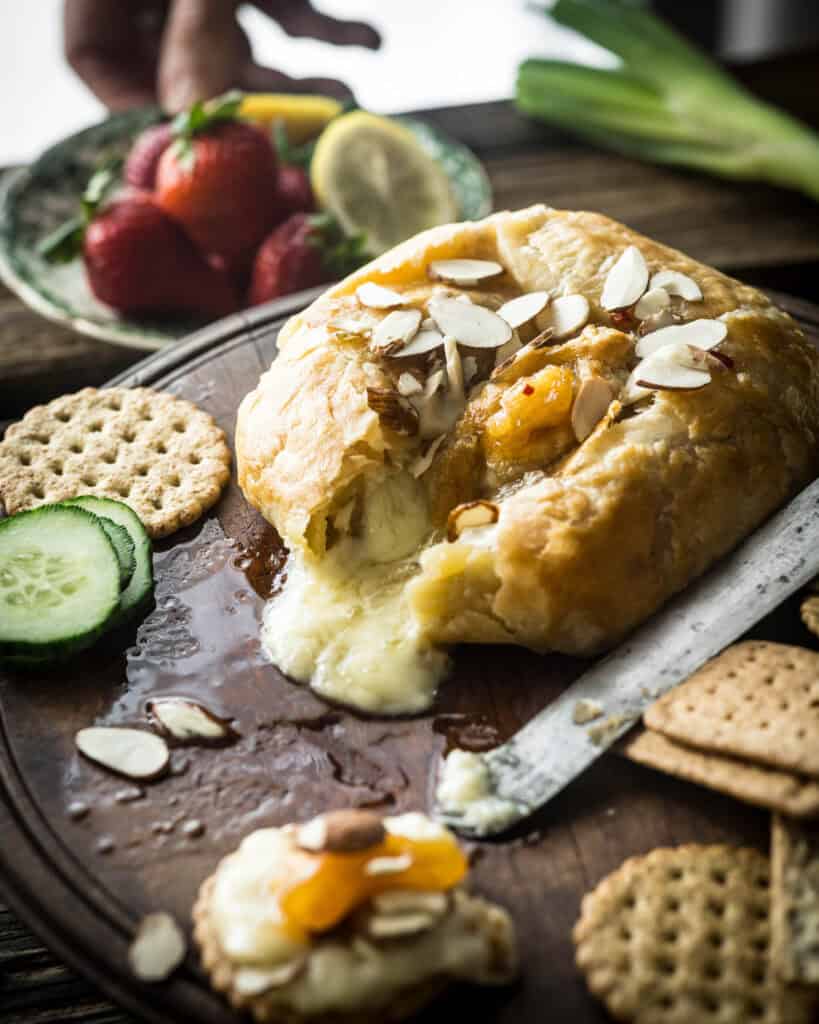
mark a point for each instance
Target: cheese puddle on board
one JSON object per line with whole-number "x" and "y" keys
{"x": 342, "y": 623}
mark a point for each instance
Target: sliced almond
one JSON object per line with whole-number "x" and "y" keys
{"x": 653, "y": 302}
{"x": 253, "y": 981}
{"x": 395, "y": 412}
{"x": 471, "y": 325}
{"x": 506, "y": 351}
{"x": 524, "y": 308}
{"x": 349, "y": 326}
{"x": 675, "y": 283}
{"x": 131, "y": 752}
{"x": 469, "y": 515}
{"x": 454, "y": 369}
{"x": 463, "y": 272}
{"x": 705, "y": 334}
{"x": 346, "y": 831}
{"x": 185, "y": 721}
{"x": 470, "y": 365}
{"x": 410, "y": 901}
{"x": 593, "y": 399}
{"x": 376, "y": 296}
{"x": 396, "y": 330}
{"x": 423, "y": 462}
{"x": 671, "y": 368}
{"x": 393, "y": 926}
{"x": 567, "y": 315}
{"x": 158, "y": 947}
{"x": 427, "y": 339}
{"x": 388, "y": 865}
{"x": 626, "y": 281}
{"x": 408, "y": 384}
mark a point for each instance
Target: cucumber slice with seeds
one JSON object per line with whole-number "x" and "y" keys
{"x": 59, "y": 582}
{"x": 124, "y": 547}
{"x": 137, "y": 595}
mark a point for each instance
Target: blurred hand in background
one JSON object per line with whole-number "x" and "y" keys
{"x": 171, "y": 52}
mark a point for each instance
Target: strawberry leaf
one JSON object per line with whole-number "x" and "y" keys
{"x": 341, "y": 254}
{"x": 296, "y": 156}
{"x": 203, "y": 115}
{"x": 64, "y": 243}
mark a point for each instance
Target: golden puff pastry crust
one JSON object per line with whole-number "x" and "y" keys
{"x": 592, "y": 533}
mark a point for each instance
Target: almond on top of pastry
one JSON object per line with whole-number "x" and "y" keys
{"x": 347, "y": 917}
{"x": 627, "y": 413}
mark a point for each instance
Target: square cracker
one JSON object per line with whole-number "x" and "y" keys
{"x": 753, "y": 784}
{"x": 756, "y": 700}
{"x": 795, "y": 900}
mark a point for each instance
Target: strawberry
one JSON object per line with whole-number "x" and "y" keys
{"x": 294, "y": 191}
{"x": 304, "y": 251}
{"x": 139, "y": 261}
{"x": 218, "y": 180}
{"x": 143, "y": 159}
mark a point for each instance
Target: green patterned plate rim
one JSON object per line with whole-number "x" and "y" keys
{"x": 36, "y": 199}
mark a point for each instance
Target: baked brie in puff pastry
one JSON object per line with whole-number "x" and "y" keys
{"x": 532, "y": 429}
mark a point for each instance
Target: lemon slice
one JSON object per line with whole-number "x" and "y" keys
{"x": 303, "y": 116}
{"x": 374, "y": 176}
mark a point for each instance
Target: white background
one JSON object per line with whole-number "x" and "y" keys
{"x": 434, "y": 53}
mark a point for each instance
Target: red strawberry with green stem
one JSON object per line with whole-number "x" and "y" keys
{"x": 137, "y": 259}
{"x": 140, "y": 261}
{"x": 306, "y": 250}
{"x": 218, "y": 180}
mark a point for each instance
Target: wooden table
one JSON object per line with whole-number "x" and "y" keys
{"x": 768, "y": 237}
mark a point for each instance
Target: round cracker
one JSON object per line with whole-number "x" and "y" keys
{"x": 810, "y": 613}
{"x": 682, "y": 935}
{"x": 161, "y": 455}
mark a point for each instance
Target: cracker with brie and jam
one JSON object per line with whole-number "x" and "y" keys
{"x": 532, "y": 429}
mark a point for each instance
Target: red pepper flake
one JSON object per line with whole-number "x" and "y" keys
{"x": 528, "y": 390}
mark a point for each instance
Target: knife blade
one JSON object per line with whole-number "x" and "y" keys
{"x": 550, "y": 750}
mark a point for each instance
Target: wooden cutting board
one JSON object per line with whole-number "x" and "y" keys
{"x": 83, "y": 882}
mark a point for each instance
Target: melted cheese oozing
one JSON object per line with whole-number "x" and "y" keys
{"x": 342, "y": 623}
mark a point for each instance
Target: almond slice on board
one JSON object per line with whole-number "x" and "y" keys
{"x": 626, "y": 281}
{"x": 376, "y": 296}
{"x": 705, "y": 334}
{"x": 185, "y": 720}
{"x": 470, "y": 325}
{"x": 158, "y": 947}
{"x": 674, "y": 283}
{"x": 463, "y": 272}
{"x": 134, "y": 753}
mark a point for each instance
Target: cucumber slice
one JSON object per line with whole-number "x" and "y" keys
{"x": 137, "y": 595}
{"x": 124, "y": 547}
{"x": 59, "y": 582}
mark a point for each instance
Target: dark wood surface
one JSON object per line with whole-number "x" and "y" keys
{"x": 768, "y": 237}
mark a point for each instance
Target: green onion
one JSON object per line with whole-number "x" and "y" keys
{"x": 666, "y": 102}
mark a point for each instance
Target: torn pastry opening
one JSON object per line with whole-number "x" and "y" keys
{"x": 426, "y": 412}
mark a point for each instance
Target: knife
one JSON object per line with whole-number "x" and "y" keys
{"x": 551, "y": 750}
